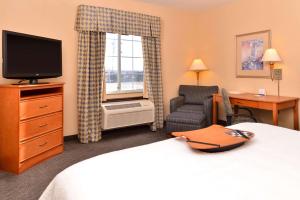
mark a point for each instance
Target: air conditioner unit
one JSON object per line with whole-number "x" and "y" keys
{"x": 127, "y": 113}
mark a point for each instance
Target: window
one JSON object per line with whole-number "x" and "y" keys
{"x": 124, "y": 66}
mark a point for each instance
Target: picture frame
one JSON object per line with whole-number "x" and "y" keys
{"x": 250, "y": 48}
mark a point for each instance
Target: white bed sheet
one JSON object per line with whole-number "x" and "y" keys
{"x": 268, "y": 167}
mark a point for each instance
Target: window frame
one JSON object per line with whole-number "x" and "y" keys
{"x": 128, "y": 93}
{"x": 113, "y": 96}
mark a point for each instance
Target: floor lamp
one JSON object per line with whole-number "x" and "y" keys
{"x": 198, "y": 66}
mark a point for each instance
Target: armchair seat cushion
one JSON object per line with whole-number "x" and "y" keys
{"x": 191, "y": 108}
{"x": 187, "y": 118}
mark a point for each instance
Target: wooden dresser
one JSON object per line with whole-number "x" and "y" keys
{"x": 31, "y": 124}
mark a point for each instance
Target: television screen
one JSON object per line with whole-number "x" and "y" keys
{"x": 30, "y": 57}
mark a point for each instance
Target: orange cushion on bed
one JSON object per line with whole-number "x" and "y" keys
{"x": 214, "y": 137}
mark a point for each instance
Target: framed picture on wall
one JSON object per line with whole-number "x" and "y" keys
{"x": 250, "y": 48}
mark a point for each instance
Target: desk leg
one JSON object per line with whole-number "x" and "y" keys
{"x": 296, "y": 116}
{"x": 215, "y": 110}
{"x": 275, "y": 114}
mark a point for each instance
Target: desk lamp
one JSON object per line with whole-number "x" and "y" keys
{"x": 198, "y": 66}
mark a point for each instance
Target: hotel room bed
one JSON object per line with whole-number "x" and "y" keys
{"x": 268, "y": 167}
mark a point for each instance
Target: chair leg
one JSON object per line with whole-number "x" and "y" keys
{"x": 229, "y": 120}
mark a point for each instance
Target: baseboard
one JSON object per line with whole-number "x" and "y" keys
{"x": 106, "y": 132}
{"x": 70, "y": 137}
{"x": 74, "y": 137}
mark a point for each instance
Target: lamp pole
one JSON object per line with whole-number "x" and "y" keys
{"x": 278, "y": 88}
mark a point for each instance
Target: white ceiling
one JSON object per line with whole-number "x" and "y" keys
{"x": 189, "y": 4}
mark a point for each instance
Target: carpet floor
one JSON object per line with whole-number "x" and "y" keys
{"x": 30, "y": 184}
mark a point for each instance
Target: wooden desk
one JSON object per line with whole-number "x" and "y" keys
{"x": 272, "y": 103}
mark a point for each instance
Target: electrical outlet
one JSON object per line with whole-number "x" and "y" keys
{"x": 277, "y": 74}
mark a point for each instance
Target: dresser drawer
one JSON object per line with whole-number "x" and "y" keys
{"x": 244, "y": 103}
{"x": 39, "y": 145}
{"x": 42, "y": 106}
{"x": 37, "y": 126}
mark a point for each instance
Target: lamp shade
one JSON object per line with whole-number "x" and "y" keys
{"x": 198, "y": 65}
{"x": 271, "y": 55}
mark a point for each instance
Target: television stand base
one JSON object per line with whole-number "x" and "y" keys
{"x": 31, "y": 82}
{"x": 40, "y": 83}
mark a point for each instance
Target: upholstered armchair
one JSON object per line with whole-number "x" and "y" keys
{"x": 192, "y": 109}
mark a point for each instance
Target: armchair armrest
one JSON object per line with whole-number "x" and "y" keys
{"x": 175, "y": 103}
{"x": 207, "y": 108}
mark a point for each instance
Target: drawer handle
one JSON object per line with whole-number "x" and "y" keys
{"x": 43, "y": 125}
{"x": 45, "y": 106}
{"x": 41, "y": 145}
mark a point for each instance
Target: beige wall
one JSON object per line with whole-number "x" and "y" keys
{"x": 210, "y": 34}
{"x": 217, "y": 30}
{"x": 55, "y": 19}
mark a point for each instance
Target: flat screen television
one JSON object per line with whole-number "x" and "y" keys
{"x": 30, "y": 57}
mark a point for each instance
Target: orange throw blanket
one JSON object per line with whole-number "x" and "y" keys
{"x": 215, "y": 137}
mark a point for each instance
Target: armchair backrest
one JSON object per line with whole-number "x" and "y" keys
{"x": 196, "y": 94}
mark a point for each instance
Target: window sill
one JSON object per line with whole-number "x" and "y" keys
{"x": 119, "y": 96}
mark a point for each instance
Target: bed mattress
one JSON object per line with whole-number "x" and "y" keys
{"x": 267, "y": 167}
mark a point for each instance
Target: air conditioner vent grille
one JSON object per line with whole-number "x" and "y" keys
{"x": 123, "y": 106}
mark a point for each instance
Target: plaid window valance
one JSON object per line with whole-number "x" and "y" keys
{"x": 98, "y": 19}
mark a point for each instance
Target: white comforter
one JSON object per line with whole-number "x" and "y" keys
{"x": 268, "y": 167}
